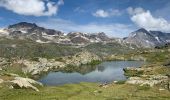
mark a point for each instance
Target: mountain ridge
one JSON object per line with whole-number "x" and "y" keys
{"x": 141, "y": 37}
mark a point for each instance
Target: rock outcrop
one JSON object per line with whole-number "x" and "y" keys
{"x": 43, "y": 65}
{"x": 150, "y": 80}
{"x": 82, "y": 58}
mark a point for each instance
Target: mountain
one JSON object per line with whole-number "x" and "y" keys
{"x": 31, "y": 31}
{"x": 31, "y": 28}
{"x": 148, "y": 39}
{"x": 24, "y": 30}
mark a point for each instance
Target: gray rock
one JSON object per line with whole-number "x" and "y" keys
{"x": 43, "y": 65}
{"x": 150, "y": 80}
{"x": 25, "y": 83}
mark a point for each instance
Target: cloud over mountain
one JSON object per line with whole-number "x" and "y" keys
{"x": 146, "y": 20}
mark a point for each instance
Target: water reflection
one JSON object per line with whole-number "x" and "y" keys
{"x": 104, "y": 72}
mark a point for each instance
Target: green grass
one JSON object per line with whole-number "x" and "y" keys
{"x": 86, "y": 91}
{"x": 30, "y": 50}
{"x": 15, "y": 69}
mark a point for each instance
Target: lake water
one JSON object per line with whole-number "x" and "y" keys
{"x": 104, "y": 72}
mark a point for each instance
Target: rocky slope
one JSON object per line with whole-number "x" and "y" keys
{"x": 40, "y": 65}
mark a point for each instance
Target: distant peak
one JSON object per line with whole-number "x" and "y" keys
{"x": 142, "y": 30}
{"x": 23, "y": 24}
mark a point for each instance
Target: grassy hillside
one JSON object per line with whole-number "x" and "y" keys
{"x": 105, "y": 49}
{"x": 29, "y": 49}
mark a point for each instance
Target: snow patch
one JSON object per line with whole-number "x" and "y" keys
{"x": 147, "y": 41}
{"x": 134, "y": 35}
{"x": 157, "y": 38}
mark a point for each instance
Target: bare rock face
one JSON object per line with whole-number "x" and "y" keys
{"x": 25, "y": 83}
{"x": 82, "y": 58}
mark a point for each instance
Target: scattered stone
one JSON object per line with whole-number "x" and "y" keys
{"x": 104, "y": 85}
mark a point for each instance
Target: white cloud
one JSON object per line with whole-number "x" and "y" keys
{"x": 32, "y": 7}
{"x": 107, "y": 13}
{"x": 114, "y": 30}
{"x": 145, "y": 19}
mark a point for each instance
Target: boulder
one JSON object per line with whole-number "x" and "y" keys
{"x": 25, "y": 83}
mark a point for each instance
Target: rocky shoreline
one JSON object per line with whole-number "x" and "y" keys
{"x": 30, "y": 68}
{"x": 147, "y": 75}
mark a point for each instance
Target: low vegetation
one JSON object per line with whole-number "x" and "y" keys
{"x": 86, "y": 91}
{"x": 28, "y": 49}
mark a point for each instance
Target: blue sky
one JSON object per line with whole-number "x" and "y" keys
{"x": 116, "y": 18}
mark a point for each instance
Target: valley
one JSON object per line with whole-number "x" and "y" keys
{"x": 29, "y": 52}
